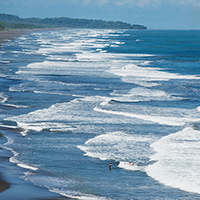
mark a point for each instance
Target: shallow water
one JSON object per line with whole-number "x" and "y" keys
{"x": 82, "y": 99}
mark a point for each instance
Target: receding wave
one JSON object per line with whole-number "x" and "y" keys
{"x": 14, "y": 159}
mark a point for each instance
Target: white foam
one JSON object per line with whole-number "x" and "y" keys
{"x": 4, "y": 61}
{"x": 68, "y": 68}
{"x": 146, "y": 94}
{"x": 173, "y": 121}
{"x": 80, "y": 110}
{"x": 23, "y": 165}
{"x": 3, "y": 98}
{"x": 140, "y": 91}
{"x": 80, "y": 195}
{"x": 178, "y": 160}
{"x": 14, "y": 159}
{"x": 22, "y": 131}
{"x": 146, "y": 62}
{"x": 15, "y": 106}
{"x": 52, "y": 126}
{"x": 69, "y": 42}
{"x": 61, "y": 186}
{"x": 55, "y": 117}
{"x": 146, "y": 74}
{"x": 139, "y": 94}
{"x": 128, "y": 166}
{"x": 118, "y": 146}
{"x": 56, "y": 93}
{"x": 9, "y": 126}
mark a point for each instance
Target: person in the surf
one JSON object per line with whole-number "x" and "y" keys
{"x": 131, "y": 163}
{"x": 110, "y": 166}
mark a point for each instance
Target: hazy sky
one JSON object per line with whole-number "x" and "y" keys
{"x": 155, "y": 14}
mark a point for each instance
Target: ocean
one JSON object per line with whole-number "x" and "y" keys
{"x": 73, "y": 101}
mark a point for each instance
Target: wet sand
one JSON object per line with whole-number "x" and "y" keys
{"x": 6, "y": 36}
{"x": 3, "y": 184}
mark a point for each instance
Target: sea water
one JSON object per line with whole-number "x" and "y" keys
{"x": 73, "y": 101}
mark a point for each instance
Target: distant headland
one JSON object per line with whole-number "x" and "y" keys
{"x": 8, "y": 21}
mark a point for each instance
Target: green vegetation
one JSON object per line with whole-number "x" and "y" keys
{"x": 14, "y": 22}
{"x": 2, "y": 27}
{"x": 21, "y": 26}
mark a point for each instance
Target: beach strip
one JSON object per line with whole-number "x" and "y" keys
{"x": 8, "y": 35}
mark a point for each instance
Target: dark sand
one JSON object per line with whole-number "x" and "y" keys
{"x": 3, "y": 184}
{"x": 6, "y": 36}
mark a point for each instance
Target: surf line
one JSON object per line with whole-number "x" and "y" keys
{"x": 157, "y": 119}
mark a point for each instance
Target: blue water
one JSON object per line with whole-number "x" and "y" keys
{"x": 74, "y": 101}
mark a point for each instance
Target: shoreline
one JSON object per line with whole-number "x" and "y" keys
{"x": 14, "y": 187}
{"x": 11, "y": 34}
{"x": 8, "y": 35}
{"x": 3, "y": 184}
{"x": 11, "y": 185}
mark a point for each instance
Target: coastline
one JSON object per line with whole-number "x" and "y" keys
{"x": 11, "y": 34}
{"x": 11, "y": 185}
{"x": 14, "y": 187}
{"x": 8, "y": 35}
{"x": 3, "y": 184}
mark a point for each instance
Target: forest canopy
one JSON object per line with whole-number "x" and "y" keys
{"x": 14, "y": 22}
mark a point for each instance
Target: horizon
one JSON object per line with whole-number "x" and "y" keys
{"x": 154, "y": 14}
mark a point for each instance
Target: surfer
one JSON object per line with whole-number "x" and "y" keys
{"x": 110, "y": 166}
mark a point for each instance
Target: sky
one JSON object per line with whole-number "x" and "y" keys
{"x": 155, "y": 14}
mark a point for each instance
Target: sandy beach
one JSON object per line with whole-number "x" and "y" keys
{"x": 8, "y": 35}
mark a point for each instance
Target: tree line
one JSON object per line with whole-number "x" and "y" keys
{"x": 14, "y": 22}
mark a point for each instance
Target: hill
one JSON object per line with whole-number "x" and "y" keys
{"x": 14, "y": 22}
